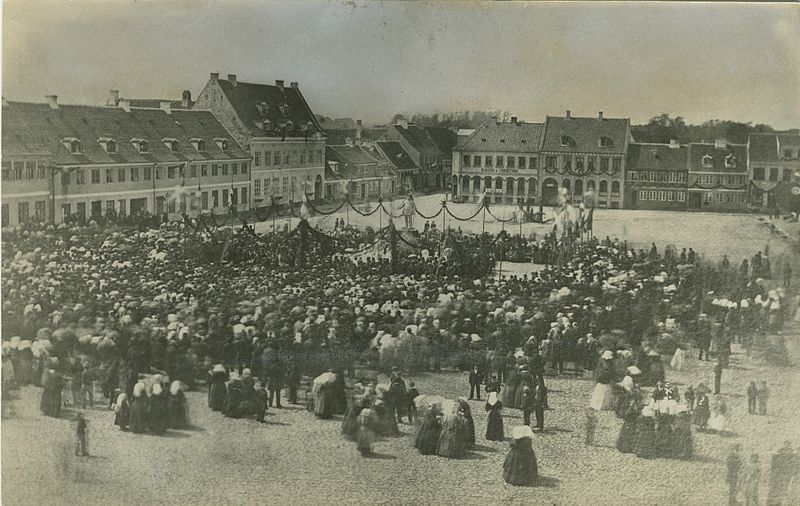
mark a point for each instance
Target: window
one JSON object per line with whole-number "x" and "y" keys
{"x": 294, "y": 183}
{"x": 122, "y": 208}
{"x": 23, "y": 212}
{"x": 234, "y": 197}
{"x": 204, "y": 200}
{"x": 243, "y": 195}
{"x": 276, "y": 158}
{"x": 200, "y": 145}
{"x": 148, "y": 173}
{"x": 40, "y": 210}
{"x": 204, "y": 170}
{"x": 652, "y": 195}
{"x": 171, "y": 144}
{"x": 681, "y": 177}
{"x": 109, "y": 205}
{"x": 653, "y": 176}
{"x": 476, "y": 160}
{"x": 257, "y": 188}
{"x": 95, "y": 176}
{"x": 550, "y": 162}
{"x": 787, "y": 153}
{"x": 568, "y": 162}
{"x": 171, "y": 206}
{"x": 158, "y": 173}
{"x": 680, "y": 196}
{"x": 672, "y": 177}
{"x": 730, "y": 161}
{"x": 80, "y": 177}
{"x": 670, "y": 196}
{"x": 41, "y": 170}
{"x": 286, "y": 158}
{"x": 224, "y": 198}
{"x": 110, "y": 146}
{"x": 302, "y": 158}
{"x": 29, "y": 170}
{"x": 134, "y": 173}
{"x": 257, "y": 158}
{"x": 615, "y": 188}
{"x": 605, "y": 142}
{"x": 267, "y": 157}
{"x": 244, "y": 167}
{"x": 642, "y": 194}
{"x": 170, "y": 172}
{"x": 5, "y": 215}
{"x": 719, "y": 197}
{"x": 708, "y": 161}
{"x": 142, "y": 146}
{"x": 773, "y": 174}
{"x": 604, "y": 163}
{"x": 566, "y": 140}
{"x": 267, "y": 187}
{"x": 121, "y": 175}
{"x": 787, "y": 174}
{"x": 534, "y": 162}
{"x": 320, "y": 158}
{"x": 215, "y": 198}
{"x": 500, "y": 162}
{"x": 214, "y": 170}
{"x": 285, "y": 185}
{"x": 579, "y": 163}
{"x": 510, "y": 162}
{"x": 66, "y": 210}
{"x": 603, "y": 187}
{"x": 19, "y": 168}
{"x": 224, "y": 169}
{"x": 7, "y": 174}
{"x": 75, "y": 147}
{"x": 234, "y": 168}
{"x": 521, "y": 162}
{"x": 193, "y": 171}
{"x": 633, "y": 175}
{"x": 662, "y": 195}
{"x": 616, "y": 164}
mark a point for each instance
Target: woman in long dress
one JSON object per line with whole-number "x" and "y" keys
{"x": 178, "y": 412}
{"x": 469, "y": 431}
{"x": 494, "y": 419}
{"x": 719, "y": 420}
{"x": 511, "y": 388}
{"x": 525, "y": 380}
{"x": 365, "y": 435}
{"x": 645, "y": 446}
{"x": 453, "y": 439}
{"x": 602, "y": 396}
{"x": 323, "y": 401}
{"x": 139, "y": 407}
{"x": 701, "y": 412}
{"x": 53, "y": 382}
{"x": 428, "y": 435}
{"x": 626, "y": 441}
{"x": 159, "y": 412}
{"x": 216, "y": 388}
{"x": 520, "y": 467}
{"x": 122, "y": 412}
{"x": 682, "y": 435}
{"x": 350, "y": 419}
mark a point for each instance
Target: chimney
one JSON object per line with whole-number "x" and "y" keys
{"x": 279, "y": 84}
{"x": 114, "y": 100}
{"x": 569, "y": 114}
{"x": 674, "y": 144}
{"x": 232, "y": 79}
{"x": 214, "y": 76}
{"x": 52, "y": 101}
{"x": 496, "y": 120}
{"x": 513, "y": 120}
{"x": 358, "y": 132}
{"x": 125, "y": 105}
{"x": 720, "y": 144}
{"x": 600, "y": 115}
{"x": 294, "y": 85}
{"x": 165, "y": 106}
{"x": 186, "y": 98}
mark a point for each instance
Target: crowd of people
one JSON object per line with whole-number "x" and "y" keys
{"x": 88, "y": 305}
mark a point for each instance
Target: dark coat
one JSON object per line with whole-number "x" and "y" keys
{"x": 520, "y": 467}
{"x": 494, "y": 422}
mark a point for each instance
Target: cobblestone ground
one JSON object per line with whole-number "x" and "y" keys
{"x": 295, "y": 458}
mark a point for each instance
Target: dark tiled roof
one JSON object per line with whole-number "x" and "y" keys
{"x": 444, "y": 138}
{"x": 509, "y": 137}
{"x": 420, "y": 140}
{"x": 763, "y": 147}
{"x": 585, "y": 134}
{"x": 395, "y": 153}
{"x": 296, "y": 114}
{"x": 357, "y": 162}
{"x": 339, "y": 137}
{"x": 47, "y": 127}
{"x": 656, "y": 157}
{"x": 698, "y": 151}
{"x": 789, "y": 140}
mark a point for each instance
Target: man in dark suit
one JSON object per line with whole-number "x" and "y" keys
{"x": 539, "y": 403}
{"x": 475, "y": 380}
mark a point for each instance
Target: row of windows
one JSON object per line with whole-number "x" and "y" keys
{"x": 656, "y": 176}
{"x": 24, "y": 170}
{"x": 133, "y": 174}
{"x": 759, "y": 174}
{"x": 267, "y": 158}
{"x": 511, "y": 162}
{"x": 720, "y": 198}
{"x": 730, "y": 161}
{"x": 662, "y": 195}
{"x": 142, "y": 146}
{"x": 727, "y": 180}
{"x": 276, "y": 186}
{"x": 551, "y": 162}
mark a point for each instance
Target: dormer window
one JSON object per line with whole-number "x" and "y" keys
{"x": 605, "y": 142}
{"x": 73, "y": 145}
{"x": 171, "y": 144}
{"x": 708, "y": 161}
{"x": 141, "y": 145}
{"x": 566, "y": 140}
{"x": 109, "y": 145}
{"x": 199, "y": 144}
{"x": 222, "y": 143}
{"x": 730, "y": 162}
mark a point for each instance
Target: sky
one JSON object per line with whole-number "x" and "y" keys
{"x": 371, "y": 60}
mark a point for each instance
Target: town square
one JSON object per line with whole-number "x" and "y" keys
{"x": 263, "y": 290}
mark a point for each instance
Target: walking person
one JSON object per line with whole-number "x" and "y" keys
{"x": 734, "y": 465}
{"x": 539, "y": 403}
{"x": 81, "y": 433}
{"x": 762, "y": 395}
{"x": 752, "y": 477}
{"x": 782, "y": 470}
{"x": 717, "y": 376}
{"x": 752, "y": 396}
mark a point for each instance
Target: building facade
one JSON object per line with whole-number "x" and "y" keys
{"x": 774, "y": 161}
{"x": 656, "y": 176}
{"x": 402, "y": 163}
{"x": 276, "y": 125}
{"x": 84, "y": 162}
{"x": 718, "y": 177}
{"x": 428, "y": 148}
{"x": 500, "y": 160}
{"x": 360, "y": 171}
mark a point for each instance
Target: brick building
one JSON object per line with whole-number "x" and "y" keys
{"x": 656, "y": 176}
{"x": 86, "y": 161}
{"x": 276, "y": 125}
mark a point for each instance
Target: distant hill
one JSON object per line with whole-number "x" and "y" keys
{"x": 336, "y": 124}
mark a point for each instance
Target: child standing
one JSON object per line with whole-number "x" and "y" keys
{"x": 591, "y": 425}
{"x": 262, "y": 400}
{"x": 752, "y": 396}
{"x": 81, "y": 448}
{"x": 411, "y": 394}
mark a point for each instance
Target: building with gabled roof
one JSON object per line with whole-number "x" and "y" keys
{"x": 430, "y": 148}
{"x": 361, "y": 171}
{"x": 774, "y": 162}
{"x": 404, "y": 166}
{"x": 656, "y": 176}
{"x": 276, "y": 125}
{"x": 719, "y": 179}
{"x": 85, "y": 162}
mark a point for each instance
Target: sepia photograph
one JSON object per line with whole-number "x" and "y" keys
{"x": 400, "y": 252}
